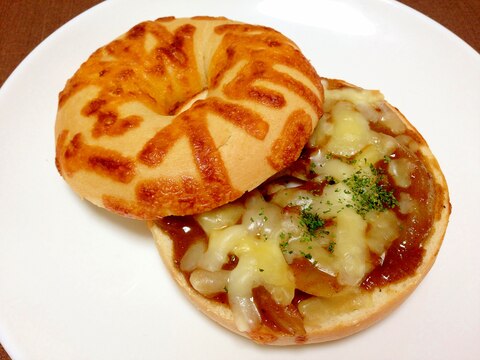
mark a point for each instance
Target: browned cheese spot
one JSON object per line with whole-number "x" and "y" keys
{"x": 76, "y": 155}
{"x": 208, "y": 18}
{"x": 158, "y": 147}
{"x": 288, "y": 146}
{"x": 108, "y": 122}
{"x": 125, "y": 72}
{"x": 185, "y": 196}
{"x": 165, "y": 19}
{"x": 261, "y": 48}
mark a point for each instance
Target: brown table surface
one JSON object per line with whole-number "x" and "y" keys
{"x": 25, "y": 23}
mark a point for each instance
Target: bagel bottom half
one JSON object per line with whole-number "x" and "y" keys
{"x": 356, "y": 300}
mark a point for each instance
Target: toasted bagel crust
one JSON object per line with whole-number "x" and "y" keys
{"x": 133, "y": 136}
{"x": 381, "y": 301}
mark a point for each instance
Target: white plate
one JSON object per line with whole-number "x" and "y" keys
{"x": 79, "y": 283}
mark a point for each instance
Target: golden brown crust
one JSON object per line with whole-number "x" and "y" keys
{"x": 381, "y": 301}
{"x": 123, "y": 144}
{"x": 296, "y": 131}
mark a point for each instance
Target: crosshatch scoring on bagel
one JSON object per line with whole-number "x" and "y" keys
{"x": 179, "y": 116}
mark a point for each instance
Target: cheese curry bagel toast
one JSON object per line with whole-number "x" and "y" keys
{"x": 290, "y": 209}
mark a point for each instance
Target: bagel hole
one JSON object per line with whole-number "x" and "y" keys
{"x": 187, "y": 104}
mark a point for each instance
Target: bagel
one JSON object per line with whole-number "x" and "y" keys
{"x": 326, "y": 247}
{"x": 180, "y": 116}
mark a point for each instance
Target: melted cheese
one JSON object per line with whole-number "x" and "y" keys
{"x": 351, "y": 132}
{"x": 401, "y": 170}
{"x": 351, "y": 250}
{"x": 406, "y": 204}
{"x": 266, "y": 237}
{"x": 317, "y": 311}
{"x": 255, "y": 243}
{"x": 383, "y": 228}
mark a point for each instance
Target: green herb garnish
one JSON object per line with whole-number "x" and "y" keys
{"x": 368, "y": 192}
{"x": 330, "y": 180}
{"x": 311, "y": 221}
{"x": 331, "y": 246}
{"x": 284, "y": 244}
{"x": 306, "y": 255}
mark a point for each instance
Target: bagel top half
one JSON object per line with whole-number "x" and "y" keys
{"x": 179, "y": 116}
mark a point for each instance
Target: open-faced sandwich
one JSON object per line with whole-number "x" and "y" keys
{"x": 290, "y": 209}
